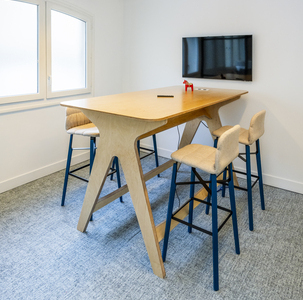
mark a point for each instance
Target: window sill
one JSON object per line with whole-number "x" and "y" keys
{"x": 36, "y": 104}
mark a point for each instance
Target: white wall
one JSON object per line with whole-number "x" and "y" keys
{"x": 153, "y": 32}
{"x": 34, "y": 141}
{"x": 138, "y": 46}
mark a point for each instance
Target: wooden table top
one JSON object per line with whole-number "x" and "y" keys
{"x": 146, "y": 105}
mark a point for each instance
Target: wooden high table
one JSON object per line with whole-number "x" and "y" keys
{"x": 123, "y": 119}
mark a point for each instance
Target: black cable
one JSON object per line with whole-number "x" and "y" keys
{"x": 204, "y": 124}
{"x": 179, "y": 139}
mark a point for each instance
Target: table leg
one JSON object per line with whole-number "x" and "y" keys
{"x": 189, "y": 132}
{"x": 118, "y": 137}
{"x": 131, "y": 166}
{"x": 102, "y": 163}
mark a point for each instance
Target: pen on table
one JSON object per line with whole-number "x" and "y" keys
{"x": 165, "y": 96}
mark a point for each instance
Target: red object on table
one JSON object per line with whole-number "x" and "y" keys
{"x": 188, "y": 84}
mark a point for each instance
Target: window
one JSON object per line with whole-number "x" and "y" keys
{"x": 45, "y": 51}
{"x": 67, "y": 52}
{"x": 20, "y": 50}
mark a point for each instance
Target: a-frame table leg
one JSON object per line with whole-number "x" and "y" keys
{"x": 131, "y": 166}
{"x": 118, "y": 137}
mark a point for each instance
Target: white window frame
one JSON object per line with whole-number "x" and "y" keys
{"x": 44, "y": 55}
{"x": 87, "y": 19}
{"x": 41, "y": 82}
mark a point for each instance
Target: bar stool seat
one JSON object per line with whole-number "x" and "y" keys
{"x": 197, "y": 156}
{"x": 87, "y": 130}
{"x": 243, "y": 136}
{"x": 214, "y": 161}
{"x": 248, "y": 137}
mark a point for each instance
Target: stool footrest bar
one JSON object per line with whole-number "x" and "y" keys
{"x": 196, "y": 227}
{"x": 79, "y": 177}
{"x": 112, "y": 171}
{"x": 146, "y": 149}
{"x": 146, "y": 155}
{"x": 239, "y": 187}
{"x": 80, "y": 168}
{"x": 192, "y": 226}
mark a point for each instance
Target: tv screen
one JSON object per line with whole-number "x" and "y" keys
{"x": 217, "y": 57}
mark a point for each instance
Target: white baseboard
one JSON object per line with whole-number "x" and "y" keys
{"x": 38, "y": 173}
{"x": 11, "y": 183}
{"x": 279, "y": 182}
{"x": 161, "y": 152}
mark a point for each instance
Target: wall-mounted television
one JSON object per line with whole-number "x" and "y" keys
{"x": 217, "y": 57}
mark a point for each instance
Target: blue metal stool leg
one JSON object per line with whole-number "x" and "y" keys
{"x": 69, "y": 158}
{"x": 169, "y": 210}
{"x": 208, "y": 198}
{"x": 113, "y": 167}
{"x": 156, "y": 151}
{"x": 224, "y": 173}
{"x": 116, "y": 163}
{"x": 223, "y": 185}
{"x": 191, "y": 203}
{"x": 215, "y": 232}
{"x": 138, "y": 147}
{"x": 258, "y": 156}
{"x": 233, "y": 208}
{"x": 92, "y": 153}
{"x": 249, "y": 191}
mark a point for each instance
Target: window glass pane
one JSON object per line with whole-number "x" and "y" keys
{"x": 68, "y": 48}
{"x": 18, "y": 48}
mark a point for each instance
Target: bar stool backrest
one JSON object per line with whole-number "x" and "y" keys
{"x": 227, "y": 148}
{"x": 75, "y": 117}
{"x": 256, "y": 128}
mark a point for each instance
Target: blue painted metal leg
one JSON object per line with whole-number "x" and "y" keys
{"x": 249, "y": 191}
{"x": 223, "y": 185}
{"x": 69, "y": 158}
{"x": 233, "y": 208}
{"x": 92, "y": 153}
{"x": 156, "y": 151}
{"x": 113, "y": 167}
{"x": 208, "y": 196}
{"x": 169, "y": 210}
{"x": 116, "y": 163}
{"x": 215, "y": 232}
{"x": 208, "y": 199}
{"x": 191, "y": 203}
{"x": 258, "y": 156}
{"x": 138, "y": 147}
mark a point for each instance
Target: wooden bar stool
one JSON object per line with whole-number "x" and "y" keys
{"x": 76, "y": 123}
{"x": 248, "y": 137}
{"x": 213, "y": 161}
{"x": 150, "y": 152}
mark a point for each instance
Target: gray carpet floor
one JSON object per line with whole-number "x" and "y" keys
{"x": 43, "y": 256}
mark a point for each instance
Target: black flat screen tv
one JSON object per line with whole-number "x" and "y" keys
{"x": 217, "y": 57}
